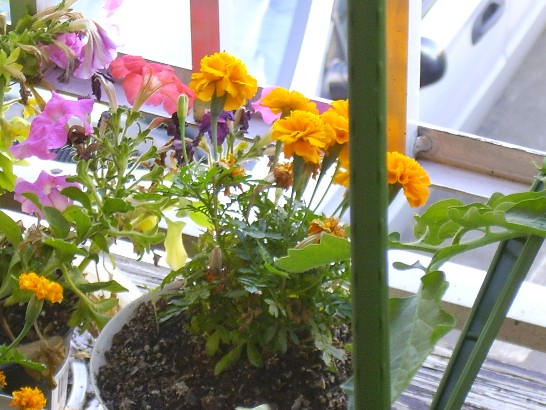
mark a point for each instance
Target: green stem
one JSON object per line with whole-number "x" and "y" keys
{"x": 216, "y": 106}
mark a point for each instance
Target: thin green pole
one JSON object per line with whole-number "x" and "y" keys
{"x": 504, "y": 278}
{"x": 368, "y": 190}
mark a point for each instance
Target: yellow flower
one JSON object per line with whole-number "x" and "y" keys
{"x": 282, "y": 101}
{"x": 3, "y": 382}
{"x": 410, "y": 175}
{"x": 337, "y": 116}
{"x": 31, "y": 108}
{"x": 42, "y": 287}
{"x": 146, "y": 223}
{"x": 342, "y": 177}
{"x": 176, "y": 255}
{"x": 222, "y": 75}
{"x": 303, "y": 134}
{"x": 15, "y": 129}
{"x": 28, "y": 398}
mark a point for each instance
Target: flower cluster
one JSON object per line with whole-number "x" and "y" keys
{"x": 42, "y": 287}
{"x": 255, "y": 285}
{"x": 28, "y": 398}
{"x": 271, "y": 268}
{"x": 56, "y": 37}
{"x": 52, "y": 257}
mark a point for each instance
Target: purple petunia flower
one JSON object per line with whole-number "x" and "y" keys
{"x": 98, "y": 52}
{"x": 48, "y": 189}
{"x": 56, "y": 54}
{"x": 223, "y": 125}
{"x": 49, "y": 129}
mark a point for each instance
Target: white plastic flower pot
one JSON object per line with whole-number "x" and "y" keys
{"x": 104, "y": 341}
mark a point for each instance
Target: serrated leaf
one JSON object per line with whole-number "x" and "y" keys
{"x": 228, "y": 360}
{"x": 213, "y": 343}
{"x": 416, "y": 324}
{"x": 200, "y": 218}
{"x": 330, "y": 249}
{"x": 253, "y": 355}
{"x": 434, "y": 225}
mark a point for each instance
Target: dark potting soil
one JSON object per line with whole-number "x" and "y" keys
{"x": 164, "y": 367}
{"x": 51, "y": 322}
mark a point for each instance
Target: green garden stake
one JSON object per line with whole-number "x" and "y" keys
{"x": 507, "y": 272}
{"x": 20, "y": 8}
{"x": 367, "y": 109}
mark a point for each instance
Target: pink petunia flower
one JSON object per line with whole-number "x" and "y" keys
{"x": 155, "y": 83}
{"x": 98, "y": 52}
{"x": 49, "y": 129}
{"x": 48, "y": 189}
{"x": 111, "y": 6}
{"x": 73, "y": 43}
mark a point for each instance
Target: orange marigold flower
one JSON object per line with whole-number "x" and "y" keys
{"x": 330, "y": 225}
{"x": 408, "y": 173}
{"x": 342, "y": 178}
{"x": 282, "y": 101}
{"x": 284, "y": 175}
{"x": 223, "y": 75}
{"x": 42, "y": 287}
{"x": 28, "y": 398}
{"x": 230, "y": 163}
{"x": 344, "y": 156}
{"x": 337, "y": 116}
{"x": 303, "y": 134}
{"x": 3, "y": 382}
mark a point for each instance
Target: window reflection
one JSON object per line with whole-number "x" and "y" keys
{"x": 259, "y": 33}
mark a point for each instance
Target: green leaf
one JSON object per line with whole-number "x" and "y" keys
{"x": 416, "y": 324}
{"x": 76, "y": 194}
{"x": 434, "y": 226}
{"x": 79, "y": 218}
{"x": 65, "y": 247}
{"x": 7, "y": 177}
{"x": 57, "y": 222}
{"x": 10, "y": 229}
{"x": 228, "y": 360}
{"x": 8, "y": 355}
{"x": 213, "y": 343}
{"x": 254, "y": 356}
{"x": 105, "y": 305}
{"x": 200, "y": 218}
{"x": 109, "y": 286}
{"x": 330, "y": 249}
{"x": 101, "y": 242}
{"x": 113, "y": 205}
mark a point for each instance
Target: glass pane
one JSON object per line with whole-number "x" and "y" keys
{"x": 265, "y": 34}
{"x": 489, "y": 50}
{"x": 158, "y": 30}
{"x": 4, "y": 8}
